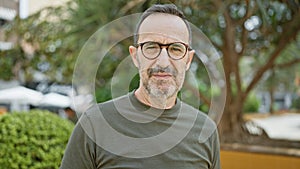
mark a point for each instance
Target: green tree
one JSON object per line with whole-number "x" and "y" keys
{"x": 246, "y": 29}
{"x": 282, "y": 77}
{"x": 36, "y": 42}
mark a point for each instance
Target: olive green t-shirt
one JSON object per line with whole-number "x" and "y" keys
{"x": 125, "y": 134}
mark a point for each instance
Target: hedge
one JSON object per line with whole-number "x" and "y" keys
{"x": 33, "y": 140}
{"x": 251, "y": 104}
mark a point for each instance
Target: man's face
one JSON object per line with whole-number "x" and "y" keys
{"x": 162, "y": 76}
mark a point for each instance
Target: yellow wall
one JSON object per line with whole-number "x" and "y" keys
{"x": 243, "y": 160}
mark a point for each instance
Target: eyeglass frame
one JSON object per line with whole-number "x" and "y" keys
{"x": 187, "y": 48}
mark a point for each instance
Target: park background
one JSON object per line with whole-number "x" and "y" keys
{"x": 258, "y": 41}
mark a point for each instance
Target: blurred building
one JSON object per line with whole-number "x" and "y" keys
{"x": 10, "y": 9}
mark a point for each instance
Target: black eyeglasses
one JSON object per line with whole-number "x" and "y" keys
{"x": 176, "y": 51}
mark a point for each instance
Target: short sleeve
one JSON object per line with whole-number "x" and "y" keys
{"x": 215, "y": 150}
{"x": 80, "y": 151}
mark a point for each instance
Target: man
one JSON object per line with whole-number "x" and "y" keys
{"x": 150, "y": 127}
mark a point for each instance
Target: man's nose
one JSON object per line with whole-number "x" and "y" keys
{"x": 163, "y": 59}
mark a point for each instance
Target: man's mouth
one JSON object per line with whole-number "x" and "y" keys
{"x": 161, "y": 75}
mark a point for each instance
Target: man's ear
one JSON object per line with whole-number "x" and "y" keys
{"x": 133, "y": 54}
{"x": 189, "y": 60}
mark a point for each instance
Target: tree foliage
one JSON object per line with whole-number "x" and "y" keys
{"x": 247, "y": 30}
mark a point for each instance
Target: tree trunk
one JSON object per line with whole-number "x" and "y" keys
{"x": 231, "y": 124}
{"x": 271, "y": 91}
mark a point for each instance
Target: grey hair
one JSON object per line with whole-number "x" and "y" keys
{"x": 162, "y": 8}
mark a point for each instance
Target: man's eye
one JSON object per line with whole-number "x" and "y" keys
{"x": 151, "y": 46}
{"x": 176, "y": 48}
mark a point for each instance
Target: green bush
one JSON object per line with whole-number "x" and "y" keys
{"x": 296, "y": 103}
{"x": 33, "y": 140}
{"x": 251, "y": 104}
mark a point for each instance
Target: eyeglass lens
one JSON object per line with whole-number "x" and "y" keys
{"x": 176, "y": 50}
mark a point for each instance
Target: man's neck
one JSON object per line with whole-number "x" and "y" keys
{"x": 157, "y": 102}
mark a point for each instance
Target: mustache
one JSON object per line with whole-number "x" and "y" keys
{"x": 159, "y": 69}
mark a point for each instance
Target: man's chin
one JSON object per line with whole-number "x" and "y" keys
{"x": 162, "y": 92}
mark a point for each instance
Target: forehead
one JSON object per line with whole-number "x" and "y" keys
{"x": 163, "y": 28}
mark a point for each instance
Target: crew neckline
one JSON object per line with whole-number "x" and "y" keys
{"x": 143, "y": 107}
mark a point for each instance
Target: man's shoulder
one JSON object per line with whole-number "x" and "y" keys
{"x": 200, "y": 115}
{"x": 109, "y": 104}
{"x": 203, "y": 122}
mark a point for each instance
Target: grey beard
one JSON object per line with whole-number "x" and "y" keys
{"x": 154, "y": 90}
